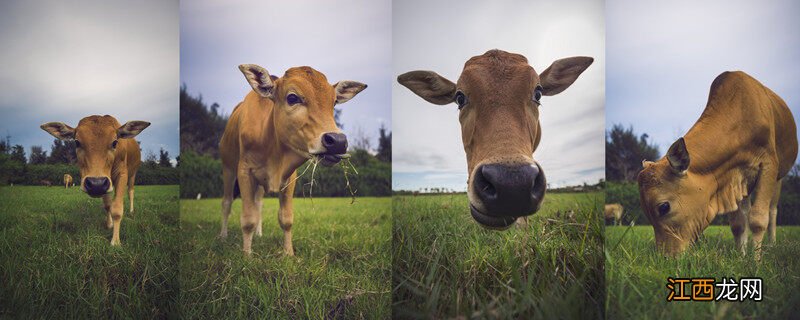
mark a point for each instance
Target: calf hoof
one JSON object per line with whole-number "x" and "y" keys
{"x": 116, "y": 243}
{"x": 223, "y": 235}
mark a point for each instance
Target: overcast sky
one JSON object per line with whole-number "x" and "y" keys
{"x": 663, "y": 57}
{"x": 64, "y": 60}
{"x": 344, "y": 41}
{"x": 442, "y": 35}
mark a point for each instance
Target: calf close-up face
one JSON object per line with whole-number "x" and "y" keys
{"x": 675, "y": 200}
{"x": 303, "y": 109}
{"x": 96, "y": 140}
{"x": 498, "y": 96}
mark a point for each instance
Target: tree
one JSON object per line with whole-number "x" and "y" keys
{"x": 151, "y": 160}
{"x": 62, "y": 152}
{"x": 163, "y": 158}
{"x": 201, "y": 126}
{"x": 625, "y": 152}
{"x": 38, "y": 155}
{"x": 384, "y": 144}
{"x": 360, "y": 140}
{"x": 18, "y": 154}
{"x": 337, "y": 118}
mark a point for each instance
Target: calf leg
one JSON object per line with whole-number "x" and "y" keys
{"x": 228, "y": 181}
{"x": 286, "y": 216}
{"x": 260, "y": 207}
{"x": 107, "y": 199}
{"x": 249, "y": 217}
{"x": 773, "y": 212}
{"x": 759, "y": 213}
{"x": 131, "y": 181}
{"x": 117, "y": 207}
{"x": 738, "y": 220}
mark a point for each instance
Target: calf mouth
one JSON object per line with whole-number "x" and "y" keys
{"x": 329, "y": 160}
{"x": 491, "y": 222}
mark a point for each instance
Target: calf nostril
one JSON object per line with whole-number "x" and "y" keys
{"x": 328, "y": 139}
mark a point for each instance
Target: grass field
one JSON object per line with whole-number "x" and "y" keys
{"x": 636, "y": 275}
{"x": 341, "y": 266}
{"x": 56, "y": 260}
{"x": 446, "y": 265}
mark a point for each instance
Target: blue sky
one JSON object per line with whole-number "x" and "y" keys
{"x": 442, "y": 35}
{"x": 62, "y": 61}
{"x": 663, "y": 56}
{"x": 349, "y": 41}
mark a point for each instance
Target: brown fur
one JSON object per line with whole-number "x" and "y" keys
{"x": 67, "y": 180}
{"x": 613, "y": 211}
{"x": 744, "y": 143}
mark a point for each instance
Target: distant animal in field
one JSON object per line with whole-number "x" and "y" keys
{"x": 732, "y": 161}
{"x": 498, "y": 96}
{"x": 67, "y": 180}
{"x": 45, "y": 182}
{"x": 282, "y": 123}
{"x": 613, "y": 213}
{"x": 108, "y": 159}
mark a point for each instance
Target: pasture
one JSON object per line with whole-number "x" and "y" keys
{"x": 447, "y": 266}
{"x": 341, "y": 267}
{"x": 56, "y": 260}
{"x": 636, "y": 275}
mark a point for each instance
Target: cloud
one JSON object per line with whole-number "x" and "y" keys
{"x": 663, "y": 58}
{"x": 442, "y": 35}
{"x": 89, "y": 57}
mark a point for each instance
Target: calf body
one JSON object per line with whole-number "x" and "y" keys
{"x": 613, "y": 211}
{"x": 108, "y": 158}
{"x": 730, "y": 162}
{"x": 280, "y": 124}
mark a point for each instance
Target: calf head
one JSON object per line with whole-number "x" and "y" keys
{"x": 499, "y": 95}
{"x": 675, "y": 199}
{"x": 96, "y": 139}
{"x": 303, "y": 109}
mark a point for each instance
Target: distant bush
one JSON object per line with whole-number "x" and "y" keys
{"x": 34, "y": 174}
{"x": 203, "y": 174}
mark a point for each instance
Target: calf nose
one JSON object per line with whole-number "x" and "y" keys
{"x": 334, "y": 143}
{"x": 509, "y": 190}
{"x": 96, "y": 186}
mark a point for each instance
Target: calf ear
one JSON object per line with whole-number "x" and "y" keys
{"x": 429, "y": 85}
{"x": 346, "y": 90}
{"x": 59, "y": 130}
{"x": 259, "y": 79}
{"x": 131, "y": 128}
{"x": 678, "y": 156}
{"x": 562, "y": 73}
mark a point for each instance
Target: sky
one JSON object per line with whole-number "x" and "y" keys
{"x": 65, "y": 60}
{"x": 662, "y": 58}
{"x": 344, "y": 42}
{"x": 442, "y": 35}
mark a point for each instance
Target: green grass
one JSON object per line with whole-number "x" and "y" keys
{"x": 446, "y": 265}
{"x": 636, "y": 275}
{"x": 341, "y": 265}
{"x": 56, "y": 260}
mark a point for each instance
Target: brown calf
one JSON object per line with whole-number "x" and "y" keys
{"x": 67, "y": 180}
{"x": 280, "y": 124}
{"x": 498, "y": 95}
{"x": 108, "y": 158}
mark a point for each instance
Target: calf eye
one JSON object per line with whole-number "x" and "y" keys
{"x": 461, "y": 99}
{"x": 537, "y": 94}
{"x": 663, "y": 208}
{"x": 293, "y": 99}
{"x": 77, "y": 144}
{"x": 114, "y": 144}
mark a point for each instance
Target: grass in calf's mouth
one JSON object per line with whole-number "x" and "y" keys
{"x": 347, "y": 169}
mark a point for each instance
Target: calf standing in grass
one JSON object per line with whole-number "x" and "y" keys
{"x": 280, "y": 124}
{"x": 67, "y": 180}
{"x": 730, "y": 162}
{"x": 613, "y": 211}
{"x": 108, "y": 158}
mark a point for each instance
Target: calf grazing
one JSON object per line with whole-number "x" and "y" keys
{"x": 730, "y": 162}
{"x": 282, "y": 123}
{"x": 613, "y": 211}
{"x": 108, "y": 158}
{"x": 67, "y": 180}
{"x": 498, "y": 96}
